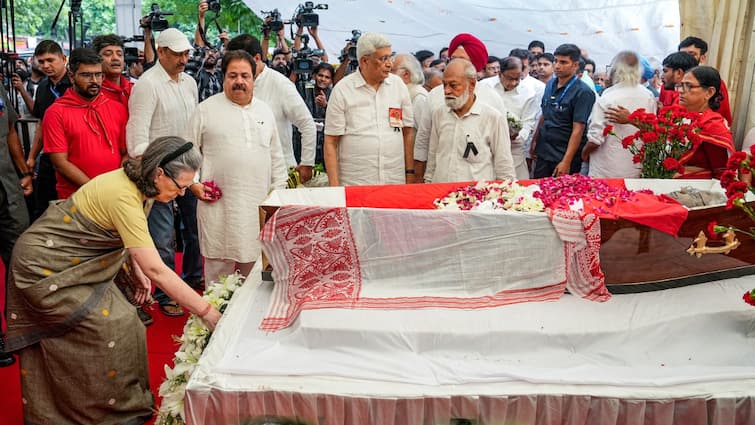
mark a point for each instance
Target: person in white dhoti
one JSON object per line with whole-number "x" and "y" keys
{"x": 522, "y": 106}
{"x": 607, "y": 156}
{"x": 369, "y": 123}
{"x": 469, "y": 140}
{"x": 238, "y": 137}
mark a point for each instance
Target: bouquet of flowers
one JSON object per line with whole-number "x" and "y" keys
{"x": 737, "y": 180}
{"x": 515, "y": 124}
{"x": 661, "y": 140}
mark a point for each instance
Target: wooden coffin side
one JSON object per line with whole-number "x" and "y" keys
{"x": 636, "y": 258}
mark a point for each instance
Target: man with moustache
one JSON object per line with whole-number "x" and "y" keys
{"x": 115, "y": 85}
{"x": 161, "y": 103}
{"x": 245, "y": 164}
{"x": 84, "y": 130}
{"x": 369, "y": 123}
{"x": 469, "y": 139}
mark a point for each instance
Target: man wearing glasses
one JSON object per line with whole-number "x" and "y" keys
{"x": 369, "y": 124}
{"x": 161, "y": 103}
{"x": 84, "y": 131}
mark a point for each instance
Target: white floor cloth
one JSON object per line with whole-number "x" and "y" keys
{"x": 666, "y": 343}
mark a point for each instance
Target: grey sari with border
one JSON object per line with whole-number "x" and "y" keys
{"x": 81, "y": 345}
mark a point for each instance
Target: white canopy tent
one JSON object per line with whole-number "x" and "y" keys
{"x": 602, "y": 27}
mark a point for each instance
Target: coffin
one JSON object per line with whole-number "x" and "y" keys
{"x": 634, "y": 257}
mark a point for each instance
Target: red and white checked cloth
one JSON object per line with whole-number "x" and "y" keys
{"x": 338, "y": 257}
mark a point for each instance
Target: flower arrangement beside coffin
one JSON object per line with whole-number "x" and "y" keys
{"x": 663, "y": 141}
{"x": 737, "y": 181}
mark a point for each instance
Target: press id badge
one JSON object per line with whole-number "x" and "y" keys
{"x": 396, "y": 117}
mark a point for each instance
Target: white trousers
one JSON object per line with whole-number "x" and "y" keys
{"x": 216, "y": 267}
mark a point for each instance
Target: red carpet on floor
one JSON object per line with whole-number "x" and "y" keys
{"x": 160, "y": 349}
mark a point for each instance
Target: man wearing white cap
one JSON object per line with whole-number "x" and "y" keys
{"x": 161, "y": 103}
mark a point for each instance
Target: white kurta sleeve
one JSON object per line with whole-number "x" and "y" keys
{"x": 434, "y": 136}
{"x": 597, "y": 123}
{"x": 335, "y": 114}
{"x": 296, "y": 112}
{"x": 196, "y": 126}
{"x": 422, "y": 140}
{"x": 141, "y": 107}
{"x": 500, "y": 146}
{"x": 529, "y": 119}
{"x": 278, "y": 167}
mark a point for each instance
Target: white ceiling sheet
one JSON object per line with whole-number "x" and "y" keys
{"x": 603, "y": 27}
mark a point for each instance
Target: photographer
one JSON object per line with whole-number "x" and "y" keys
{"x": 348, "y": 58}
{"x": 208, "y": 75}
{"x": 272, "y": 22}
{"x": 313, "y": 33}
{"x": 316, "y": 94}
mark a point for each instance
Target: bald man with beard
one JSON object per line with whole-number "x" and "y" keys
{"x": 469, "y": 139}
{"x": 463, "y": 46}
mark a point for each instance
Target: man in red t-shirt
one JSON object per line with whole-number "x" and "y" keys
{"x": 84, "y": 131}
{"x": 115, "y": 85}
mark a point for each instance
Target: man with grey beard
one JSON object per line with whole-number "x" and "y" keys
{"x": 469, "y": 140}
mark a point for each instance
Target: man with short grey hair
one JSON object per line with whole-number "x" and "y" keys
{"x": 369, "y": 122}
{"x": 408, "y": 68}
{"x": 469, "y": 139}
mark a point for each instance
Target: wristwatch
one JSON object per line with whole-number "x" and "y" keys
{"x": 409, "y": 171}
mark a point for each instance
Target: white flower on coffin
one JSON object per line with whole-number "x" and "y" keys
{"x": 493, "y": 197}
{"x": 193, "y": 341}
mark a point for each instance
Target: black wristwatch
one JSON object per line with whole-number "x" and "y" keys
{"x": 409, "y": 171}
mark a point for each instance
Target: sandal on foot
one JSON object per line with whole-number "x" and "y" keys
{"x": 171, "y": 309}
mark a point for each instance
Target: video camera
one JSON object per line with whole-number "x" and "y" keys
{"x": 302, "y": 58}
{"x": 275, "y": 24}
{"x": 131, "y": 54}
{"x": 305, "y": 15}
{"x": 352, "y": 52}
{"x": 156, "y": 18}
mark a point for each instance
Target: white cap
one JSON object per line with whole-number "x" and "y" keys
{"x": 174, "y": 40}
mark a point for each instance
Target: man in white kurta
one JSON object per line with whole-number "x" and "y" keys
{"x": 369, "y": 123}
{"x": 608, "y": 158}
{"x": 523, "y": 104}
{"x": 469, "y": 140}
{"x": 477, "y": 54}
{"x": 238, "y": 137}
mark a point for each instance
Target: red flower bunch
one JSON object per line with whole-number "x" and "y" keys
{"x": 215, "y": 193}
{"x": 662, "y": 140}
{"x": 737, "y": 181}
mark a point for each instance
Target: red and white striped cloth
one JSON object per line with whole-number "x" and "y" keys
{"x": 339, "y": 257}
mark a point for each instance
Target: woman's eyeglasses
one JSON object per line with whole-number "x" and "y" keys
{"x": 684, "y": 87}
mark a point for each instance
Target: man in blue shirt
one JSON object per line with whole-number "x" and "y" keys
{"x": 566, "y": 105}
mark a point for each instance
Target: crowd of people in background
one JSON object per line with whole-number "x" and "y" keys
{"x": 379, "y": 117}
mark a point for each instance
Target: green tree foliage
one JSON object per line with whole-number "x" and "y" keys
{"x": 35, "y": 17}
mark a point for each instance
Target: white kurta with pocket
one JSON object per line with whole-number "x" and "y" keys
{"x": 371, "y": 150}
{"x": 483, "y": 127}
{"x": 242, "y": 154}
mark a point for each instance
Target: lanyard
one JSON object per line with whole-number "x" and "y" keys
{"x": 54, "y": 92}
{"x": 563, "y": 93}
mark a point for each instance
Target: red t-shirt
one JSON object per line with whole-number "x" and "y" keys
{"x": 92, "y": 133}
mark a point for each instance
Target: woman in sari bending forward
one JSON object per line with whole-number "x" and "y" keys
{"x": 81, "y": 345}
{"x": 699, "y": 92}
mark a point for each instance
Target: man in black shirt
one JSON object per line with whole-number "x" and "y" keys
{"x": 52, "y": 62}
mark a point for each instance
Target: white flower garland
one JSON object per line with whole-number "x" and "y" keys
{"x": 195, "y": 338}
{"x": 492, "y": 196}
